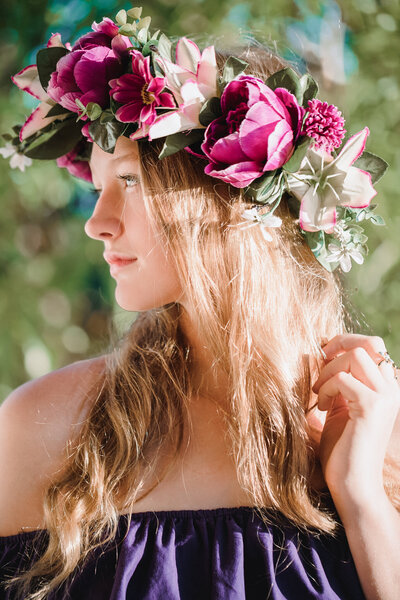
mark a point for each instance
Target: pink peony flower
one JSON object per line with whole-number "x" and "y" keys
{"x": 140, "y": 93}
{"x": 256, "y": 132}
{"x": 104, "y": 34}
{"x": 84, "y": 75}
{"x": 324, "y": 123}
{"x": 78, "y": 168}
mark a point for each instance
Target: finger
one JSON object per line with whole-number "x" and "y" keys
{"x": 343, "y": 383}
{"x": 343, "y": 342}
{"x": 356, "y": 361}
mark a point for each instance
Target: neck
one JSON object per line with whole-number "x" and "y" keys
{"x": 209, "y": 380}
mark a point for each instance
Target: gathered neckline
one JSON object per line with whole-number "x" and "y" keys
{"x": 159, "y": 514}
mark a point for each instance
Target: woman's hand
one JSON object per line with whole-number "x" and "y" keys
{"x": 362, "y": 401}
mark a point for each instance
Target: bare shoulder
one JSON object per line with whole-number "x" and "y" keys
{"x": 36, "y": 421}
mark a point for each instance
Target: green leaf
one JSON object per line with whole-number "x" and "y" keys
{"x": 57, "y": 139}
{"x": 317, "y": 242}
{"x": 266, "y": 189}
{"x": 377, "y": 220}
{"x": 375, "y": 165}
{"x": 149, "y": 47}
{"x": 106, "y": 116}
{"x": 293, "y": 164}
{"x": 56, "y": 110}
{"x": 93, "y": 110}
{"x": 177, "y": 141}
{"x": 105, "y": 134}
{"x": 309, "y": 88}
{"x": 210, "y": 111}
{"x": 46, "y": 61}
{"x": 288, "y": 79}
{"x": 7, "y": 137}
{"x": 233, "y": 67}
{"x": 164, "y": 47}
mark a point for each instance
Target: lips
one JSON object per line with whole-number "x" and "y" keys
{"x": 121, "y": 260}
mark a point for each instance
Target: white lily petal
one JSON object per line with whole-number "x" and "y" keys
{"x": 28, "y": 81}
{"x": 187, "y": 54}
{"x": 190, "y": 92}
{"x": 352, "y": 149}
{"x": 358, "y": 190}
{"x": 207, "y": 73}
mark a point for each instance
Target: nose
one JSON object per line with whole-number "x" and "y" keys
{"x": 105, "y": 222}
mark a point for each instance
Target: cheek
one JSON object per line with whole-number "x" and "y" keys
{"x": 152, "y": 281}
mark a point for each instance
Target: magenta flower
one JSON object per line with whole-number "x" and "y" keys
{"x": 324, "y": 123}
{"x": 256, "y": 132}
{"x": 84, "y": 75}
{"x": 104, "y": 34}
{"x": 140, "y": 93}
{"x": 78, "y": 168}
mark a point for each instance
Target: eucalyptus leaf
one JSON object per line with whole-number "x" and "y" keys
{"x": 294, "y": 162}
{"x": 46, "y": 61}
{"x": 128, "y": 29}
{"x": 317, "y": 242}
{"x": 121, "y": 17}
{"x": 177, "y": 141}
{"x": 142, "y": 35}
{"x": 135, "y": 13}
{"x": 210, "y": 111}
{"x": 57, "y": 139}
{"x": 377, "y": 220}
{"x": 105, "y": 134}
{"x": 57, "y": 110}
{"x": 309, "y": 88}
{"x": 93, "y": 110}
{"x": 144, "y": 23}
{"x": 375, "y": 165}
{"x": 288, "y": 79}
{"x": 232, "y": 69}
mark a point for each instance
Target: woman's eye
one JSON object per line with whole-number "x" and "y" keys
{"x": 130, "y": 180}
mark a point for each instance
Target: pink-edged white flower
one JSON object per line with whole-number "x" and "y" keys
{"x": 252, "y": 217}
{"x": 17, "y": 160}
{"x": 323, "y": 182}
{"x": 343, "y": 255}
{"x": 28, "y": 81}
{"x": 193, "y": 81}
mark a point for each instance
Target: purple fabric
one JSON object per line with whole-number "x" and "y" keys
{"x": 217, "y": 554}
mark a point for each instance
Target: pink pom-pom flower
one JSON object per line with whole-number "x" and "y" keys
{"x": 325, "y": 124}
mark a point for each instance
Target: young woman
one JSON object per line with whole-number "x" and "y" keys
{"x": 216, "y": 451}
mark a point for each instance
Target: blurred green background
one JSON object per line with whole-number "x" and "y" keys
{"x": 56, "y": 295}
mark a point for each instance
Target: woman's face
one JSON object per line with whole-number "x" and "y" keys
{"x": 120, "y": 221}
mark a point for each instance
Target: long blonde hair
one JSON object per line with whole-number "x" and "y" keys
{"x": 263, "y": 309}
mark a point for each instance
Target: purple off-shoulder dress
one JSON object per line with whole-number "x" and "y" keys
{"x": 216, "y": 554}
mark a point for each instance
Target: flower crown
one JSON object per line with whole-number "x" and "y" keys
{"x": 269, "y": 138}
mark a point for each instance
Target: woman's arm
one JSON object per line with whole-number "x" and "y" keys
{"x": 362, "y": 402}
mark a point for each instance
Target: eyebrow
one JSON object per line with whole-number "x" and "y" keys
{"x": 125, "y": 157}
